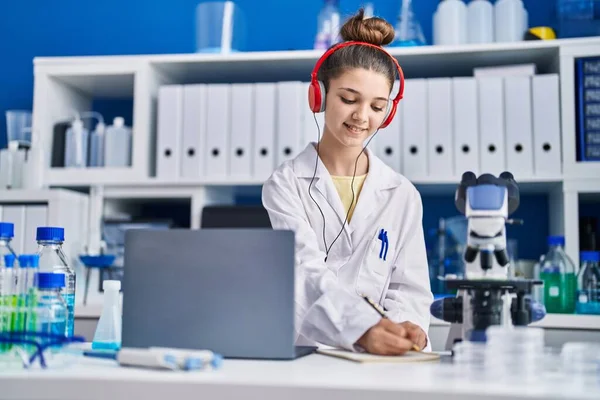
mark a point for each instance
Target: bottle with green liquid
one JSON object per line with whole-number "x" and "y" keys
{"x": 559, "y": 275}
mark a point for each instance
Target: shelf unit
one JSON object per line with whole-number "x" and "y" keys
{"x": 65, "y": 83}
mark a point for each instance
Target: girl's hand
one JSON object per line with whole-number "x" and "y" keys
{"x": 386, "y": 338}
{"x": 415, "y": 334}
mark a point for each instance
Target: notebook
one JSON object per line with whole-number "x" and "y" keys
{"x": 410, "y": 357}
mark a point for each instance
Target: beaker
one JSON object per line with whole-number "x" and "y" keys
{"x": 220, "y": 27}
{"x": 18, "y": 127}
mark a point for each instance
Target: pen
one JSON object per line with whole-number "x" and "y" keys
{"x": 381, "y": 312}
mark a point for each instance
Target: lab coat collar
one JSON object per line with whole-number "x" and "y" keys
{"x": 379, "y": 179}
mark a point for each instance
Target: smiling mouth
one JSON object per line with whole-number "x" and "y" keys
{"x": 354, "y": 128}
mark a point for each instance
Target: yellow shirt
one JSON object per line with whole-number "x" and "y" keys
{"x": 342, "y": 184}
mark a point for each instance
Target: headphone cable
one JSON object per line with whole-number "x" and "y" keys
{"x": 327, "y": 249}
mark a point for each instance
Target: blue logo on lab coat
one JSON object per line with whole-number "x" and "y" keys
{"x": 384, "y": 244}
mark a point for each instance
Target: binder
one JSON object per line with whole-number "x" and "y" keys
{"x": 263, "y": 147}
{"x": 291, "y": 100}
{"x": 194, "y": 130}
{"x": 35, "y": 215}
{"x": 414, "y": 129}
{"x": 218, "y": 130}
{"x": 466, "y": 129}
{"x": 440, "y": 140}
{"x": 546, "y": 125}
{"x": 242, "y": 112}
{"x": 170, "y": 126}
{"x": 389, "y": 139}
{"x": 519, "y": 136}
{"x": 490, "y": 91}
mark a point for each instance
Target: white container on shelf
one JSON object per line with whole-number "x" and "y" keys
{"x": 480, "y": 22}
{"x": 510, "y": 19}
{"x": 450, "y": 23}
{"x": 117, "y": 144}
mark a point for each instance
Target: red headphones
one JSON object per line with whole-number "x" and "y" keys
{"x": 316, "y": 90}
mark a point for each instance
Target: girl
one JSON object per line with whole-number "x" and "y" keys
{"x": 359, "y": 238}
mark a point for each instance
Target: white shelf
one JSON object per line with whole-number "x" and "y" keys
{"x": 273, "y": 65}
{"x": 38, "y": 196}
{"x": 184, "y": 188}
{"x": 553, "y": 321}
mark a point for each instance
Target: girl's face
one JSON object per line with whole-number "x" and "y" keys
{"x": 355, "y": 106}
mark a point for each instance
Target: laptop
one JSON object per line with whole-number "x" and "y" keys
{"x": 226, "y": 290}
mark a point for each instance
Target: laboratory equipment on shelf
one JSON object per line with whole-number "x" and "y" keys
{"x": 220, "y": 27}
{"x": 108, "y": 330}
{"x": 408, "y": 31}
{"x": 588, "y": 283}
{"x": 480, "y": 21}
{"x": 117, "y": 144}
{"x": 559, "y": 275}
{"x": 53, "y": 259}
{"x": 487, "y": 296}
{"x": 450, "y": 23}
{"x": 328, "y": 25}
{"x": 510, "y": 21}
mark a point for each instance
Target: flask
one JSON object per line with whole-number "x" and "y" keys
{"x": 108, "y": 330}
{"x": 588, "y": 283}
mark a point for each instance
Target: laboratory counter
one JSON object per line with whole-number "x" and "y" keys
{"x": 313, "y": 377}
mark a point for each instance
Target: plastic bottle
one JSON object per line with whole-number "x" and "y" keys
{"x": 53, "y": 259}
{"x": 408, "y": 31}
{"x": 328, "y": 25}
{"x": 7, "y": 232}
{"x": 510, "y": 19}
{"x": 76, "y": 145}
{"x": 52, "y": 309}
{"x": 480, "y": 18}
{"x": 108, "y": 330}
{"x": 450, "y": 23}
{"x": 97, "y": 145}
{"x": 588, "y": 283}
{"x": 558, "y": 273}
{"x": 117, "y": 144}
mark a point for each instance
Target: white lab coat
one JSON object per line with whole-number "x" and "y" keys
{"x": 329, "y": 306}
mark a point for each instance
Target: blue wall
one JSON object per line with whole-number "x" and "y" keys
{"x": 33, "y": 28}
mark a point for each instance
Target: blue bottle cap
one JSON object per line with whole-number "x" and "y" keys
{"x": 34, "y": 261}
{"x": 589, "y": 256}
{"x": 24, "y": 260}
{"x": 556, "y": 240}
{"x": 9, "y": 260}
{"x": 50, "y": 280}
{"x": 7, "y": 230}
{"x": 50, "y": 234}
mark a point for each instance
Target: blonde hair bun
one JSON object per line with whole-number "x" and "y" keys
{"x": 372, "y": 30}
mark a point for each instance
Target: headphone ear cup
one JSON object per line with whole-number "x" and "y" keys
{"x": 316, "y": 97}
{"x": 389, "y": 114}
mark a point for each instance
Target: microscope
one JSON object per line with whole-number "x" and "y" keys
{"x": 486, "y": 295}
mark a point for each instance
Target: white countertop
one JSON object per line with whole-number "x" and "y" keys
{"x": 313, "y": 377}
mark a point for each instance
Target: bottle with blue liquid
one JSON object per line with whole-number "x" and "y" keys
{"x": 52, "y": 311}
{"x": 52, "y": 259}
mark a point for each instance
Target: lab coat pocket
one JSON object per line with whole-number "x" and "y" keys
{"x": 375, "y": 266}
